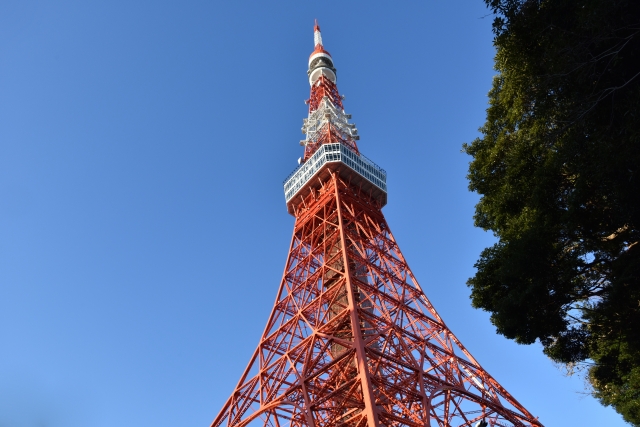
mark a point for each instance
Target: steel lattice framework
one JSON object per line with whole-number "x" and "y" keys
{"x": 352, "y": 340}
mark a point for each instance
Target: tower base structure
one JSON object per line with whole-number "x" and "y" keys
{"x": 352, "y": 339}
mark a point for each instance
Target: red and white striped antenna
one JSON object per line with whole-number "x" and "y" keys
{"x": 317, "y": 35}
{"x": 327, "y": 122}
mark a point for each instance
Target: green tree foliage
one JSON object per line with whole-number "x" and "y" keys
{"x": 558, "y": 171}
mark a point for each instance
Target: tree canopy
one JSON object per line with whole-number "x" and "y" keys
{"x": 558, "y": 170}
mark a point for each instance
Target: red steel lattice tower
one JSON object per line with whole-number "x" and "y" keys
{"x": 352, "y": 340}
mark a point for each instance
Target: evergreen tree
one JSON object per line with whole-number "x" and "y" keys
{"x": 558, "y": 171}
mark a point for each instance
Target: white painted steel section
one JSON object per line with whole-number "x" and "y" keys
{"x": 315, "y": 75}
{"x": 319, "y": 54}
{"x": 327, "y": 113}
{"x": 328, "y": 153}
{"x": 317, "y": 38}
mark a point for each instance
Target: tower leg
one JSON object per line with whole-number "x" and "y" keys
{"x": 365, "y": 381}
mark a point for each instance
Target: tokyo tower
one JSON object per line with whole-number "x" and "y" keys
{"x": 352, "y": 340}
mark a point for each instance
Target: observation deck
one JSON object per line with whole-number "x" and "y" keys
{"x": 336, "y": 157}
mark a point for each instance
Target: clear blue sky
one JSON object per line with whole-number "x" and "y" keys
{"x": 143, "y": 229}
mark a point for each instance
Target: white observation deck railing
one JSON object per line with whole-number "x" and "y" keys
{"x": 332, "y": 153}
